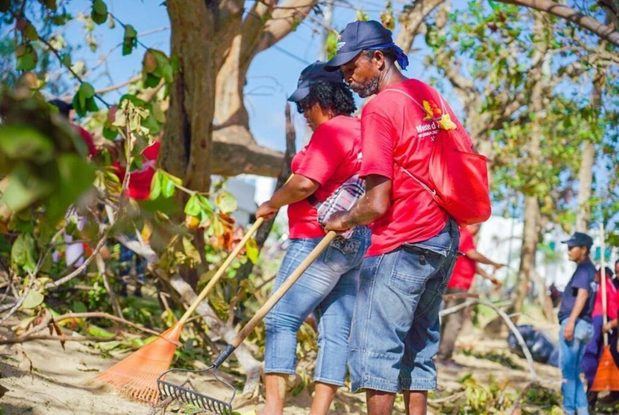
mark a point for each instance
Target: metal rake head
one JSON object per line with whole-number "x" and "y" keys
{"x": 187, "y": 394}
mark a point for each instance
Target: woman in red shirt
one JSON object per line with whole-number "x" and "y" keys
{"x": 328, "y": 287}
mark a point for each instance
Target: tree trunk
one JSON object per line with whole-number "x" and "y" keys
{"x": 530, "y": 236}
{"x": 215, "y": 43}
{"x": 585, "y": 179}
{"x": 585, "y": 172}
{"x": 198, "y": 45}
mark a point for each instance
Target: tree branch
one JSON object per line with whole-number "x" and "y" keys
{"x": 284, "y": 20}
{"x": 565, "y": 12}
{"x": 412, "y": 19}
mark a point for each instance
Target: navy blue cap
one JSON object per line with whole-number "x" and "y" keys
{"x": 309, "y": 76}
{"x": 579, "y": 239}
{"x": 356, "y": 37}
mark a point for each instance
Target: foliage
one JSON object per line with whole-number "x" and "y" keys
{"x": 527, "y": 74}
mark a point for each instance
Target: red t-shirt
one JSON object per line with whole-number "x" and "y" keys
{"x": 464, "y": 270}
{"x": 330, "y": 158}
{"x": 612, "y": 300}
{"x": 397, "y": 132}
{"x": 140, "y": 180}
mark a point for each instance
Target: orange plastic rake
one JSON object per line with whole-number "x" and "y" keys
{"x": 136, "y": 375}
{"x": 607, "y": 375}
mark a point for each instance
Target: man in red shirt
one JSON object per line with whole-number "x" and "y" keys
{"x": 461, "y": 281}
{"x": 395, "y": 332}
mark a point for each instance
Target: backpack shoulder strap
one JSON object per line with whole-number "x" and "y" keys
{"x": 421, "y": 183}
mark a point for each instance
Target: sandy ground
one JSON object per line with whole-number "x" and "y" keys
{"x": 42, "y": 378}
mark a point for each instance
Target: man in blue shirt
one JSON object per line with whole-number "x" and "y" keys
{"x": 575, "y": 319}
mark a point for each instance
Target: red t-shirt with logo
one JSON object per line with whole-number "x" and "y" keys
{"x": 464, "y": 269}
{"x": 612, "y": 300}
{"x": 398, "y": 132}
{"x": 330, "y": 158}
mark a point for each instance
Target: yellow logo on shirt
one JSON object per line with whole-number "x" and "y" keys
{"x": 433, "y": 112}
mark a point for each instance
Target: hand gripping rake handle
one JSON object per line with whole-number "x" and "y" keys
{"x": 206, "y": 290}
{"x": 275, "y": 297}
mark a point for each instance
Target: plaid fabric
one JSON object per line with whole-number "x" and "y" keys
{"x": 342, "y": 199}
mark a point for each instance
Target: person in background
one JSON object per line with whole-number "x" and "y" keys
{"x": 593, "y": 350}
{"x": 74, "y": 251}
{"x": 460, "y": 283}
{"x": 575, "y": 319}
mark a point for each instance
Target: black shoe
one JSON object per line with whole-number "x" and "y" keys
{"x": 138, "y": 290}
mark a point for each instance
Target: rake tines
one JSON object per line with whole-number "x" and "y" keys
{"x": 185, "y": 393}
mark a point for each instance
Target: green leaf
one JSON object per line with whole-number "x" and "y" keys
{"x": 362, "y": 16}
{"x": 76, "y": 176}
{"x": 205, "y": 203}
{"x": 226, "y": 202}
{"x": 27, "y": 61}
{"x": 78, "y": 307}
{"x": 30, "y": 32}
{"x": 192, "y": 207}
{"x": 130, "y": 39}
{"x": 331, "y": 43}
{"x": 22, "y": 142}
{"x": 99, "y": 332}
{"x": 32, "y": 300}
{"x": 83, "y": 101}
{"x": 86, "y": 90}
{"x": 155, "y": 186}
{"x": 167, "y": 186}
{"x": 99, "y": 11}
{"x": 24, "y": 188}
{"x": 251, "y": 247}
{"x": 23, "y": 252}
{"x": 191, "y": 251}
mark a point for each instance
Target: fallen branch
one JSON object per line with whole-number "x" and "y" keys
{"x": 61, "y": 338}
{"x": 510, "y": 324}
{"x": 48, "y": 319}
{"x": 81, "y": 268}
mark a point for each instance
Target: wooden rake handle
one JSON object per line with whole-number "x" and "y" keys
{"x": 274, "y": 298}
{"x": 603, "y": 283}
{"x": 220, "y": 271}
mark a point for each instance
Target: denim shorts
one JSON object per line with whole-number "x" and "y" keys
{"x": 395, "y": 330}
{"x": 327, "y": 288}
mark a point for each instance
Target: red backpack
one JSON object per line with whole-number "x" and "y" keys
{"x": 458, "y": 177}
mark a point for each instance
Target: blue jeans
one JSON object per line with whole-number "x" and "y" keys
{"x": 570, "y": 359}
{"x": 328, "y": 287}
{"x": 395, "y": 331}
